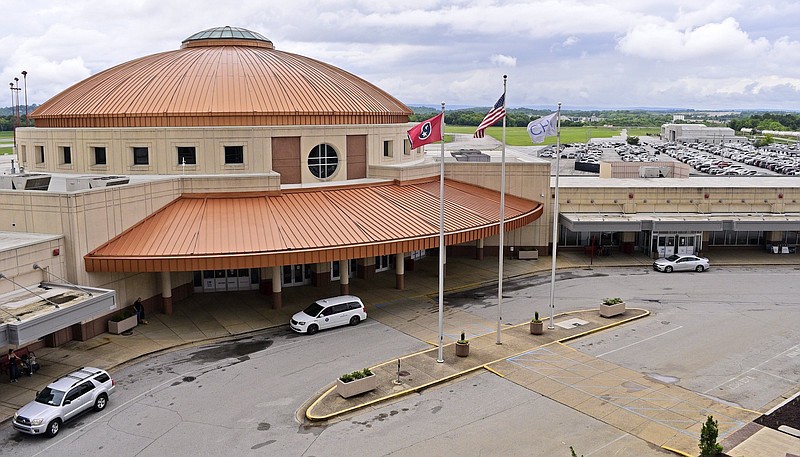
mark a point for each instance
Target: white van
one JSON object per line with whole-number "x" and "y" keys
{"x": 328, "y": 313}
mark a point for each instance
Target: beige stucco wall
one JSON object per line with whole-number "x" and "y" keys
{"x": 17, "y": 263}
{"x": 209, "y": 142}
{"x": 530, "y": 180}
{"x": 680, "y": 196}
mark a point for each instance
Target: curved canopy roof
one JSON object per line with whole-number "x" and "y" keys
{"x": 225, "y": 231}
{"x": 224, "y": 76}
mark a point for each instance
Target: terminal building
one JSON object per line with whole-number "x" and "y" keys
{"x": 230, "y": 165}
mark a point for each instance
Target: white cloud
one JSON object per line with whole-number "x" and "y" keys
{"x": 723, "y": 40}
{"x": 503, "y": 61}
{"x": 614, "y": 53}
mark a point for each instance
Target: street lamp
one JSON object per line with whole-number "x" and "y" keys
{"x": 25, "y": 84}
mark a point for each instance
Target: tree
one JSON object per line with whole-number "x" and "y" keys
{"x": 708, "y": 439}
{"x": 634, "y": 140}
{"x": 765, "y": 140}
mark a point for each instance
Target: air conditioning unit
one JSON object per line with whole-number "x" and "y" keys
{"x": 108, "y": 181}
{"x": 25, "y": 181}
{"x": 92, "y": 182}
{"x": 655, "y": 172}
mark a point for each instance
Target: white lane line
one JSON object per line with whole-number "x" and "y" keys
{"x": 641, "y": 341}
{"x": 791, "y": 349}
{"x": 608, "y": 444}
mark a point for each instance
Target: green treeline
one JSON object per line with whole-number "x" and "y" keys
{"x": 767, "y": 121}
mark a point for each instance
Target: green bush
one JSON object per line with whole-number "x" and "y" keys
{"x": 536, "y": 317}
{"x": 612, "y": 301}
{"x": 122, "y": 315}
{"x": 358, "y": 374}
{"x": 463, "y": 339}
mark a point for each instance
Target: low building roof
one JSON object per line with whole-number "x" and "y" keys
{"x": 225, "y": 231}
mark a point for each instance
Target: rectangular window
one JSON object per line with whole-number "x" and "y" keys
{"x": 39, "y": 154}
{"x": 234, "y": 155}
{"x": 387, "y": 148}
{"x": 66, "y": 155}
{"x": 407, "y": 148}
{"x": 23, "y": 155}
{"x": 141, "y": 156}
{"x": 187, "y": 155}
{"x": 99, "y": 155}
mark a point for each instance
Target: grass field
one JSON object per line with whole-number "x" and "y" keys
{"x": 6, "y": 136}
{"x": 518, "y": 136}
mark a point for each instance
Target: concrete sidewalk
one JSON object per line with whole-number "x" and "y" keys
{"x": 206, "y": 317}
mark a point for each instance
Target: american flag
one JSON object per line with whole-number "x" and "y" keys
{"x": 497, "y": 112}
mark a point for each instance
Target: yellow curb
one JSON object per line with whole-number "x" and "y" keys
{"x": 492, "y": 370}
{"x": 485, "y": 366}
{"x": 679, "y": 452}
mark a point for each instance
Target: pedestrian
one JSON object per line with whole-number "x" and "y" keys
{"x": 138, "y": 308}
{"x": 13, "y": 365}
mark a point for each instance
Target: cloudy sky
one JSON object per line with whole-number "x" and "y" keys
{"x": 709, "y": 54}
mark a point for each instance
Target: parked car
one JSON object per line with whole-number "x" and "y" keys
{"x": 678, "y": 262}
{"x": 63, "y": 399}
{"x": 328, "y": 313}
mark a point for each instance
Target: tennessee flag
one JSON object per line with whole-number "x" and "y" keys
{"x": 426, "y": 132}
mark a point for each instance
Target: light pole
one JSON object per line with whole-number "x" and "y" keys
{"x": 25, "y": 85}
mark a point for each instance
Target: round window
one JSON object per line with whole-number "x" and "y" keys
{"x": 323, "y": 161}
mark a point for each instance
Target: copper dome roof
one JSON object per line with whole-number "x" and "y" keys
{"x": 221, "y": 77}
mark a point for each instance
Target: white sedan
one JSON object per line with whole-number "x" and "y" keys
{"x": 677, "y": 262}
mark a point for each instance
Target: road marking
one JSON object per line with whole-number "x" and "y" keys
{"x": 789, "y": 352}
{"x": 608, "y": 444}
{"x": 642, "y": 341}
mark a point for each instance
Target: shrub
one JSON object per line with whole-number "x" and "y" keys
{"x": 358, "y": 374}
{"x": 612, "y": 301}
{"x": 122, "y": 315}
{"x": 463, "y": 339}
{"x": 536, "y": 317}
{"x": 708, "y": 439}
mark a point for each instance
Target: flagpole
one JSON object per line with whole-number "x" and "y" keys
{"x": 555, "y": 220}
{"x": 502, "y": 220}
{"x": 442, "y": 251}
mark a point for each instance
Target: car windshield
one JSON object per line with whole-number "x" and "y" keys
{"x": 50, "y": 396}
{"x": 313, "y": 309}
{"x": 673, "y": 257}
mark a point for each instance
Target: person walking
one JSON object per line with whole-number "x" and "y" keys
{"x": 13, "y": 365}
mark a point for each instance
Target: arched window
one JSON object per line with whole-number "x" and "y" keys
{"x": 323, "y": 161}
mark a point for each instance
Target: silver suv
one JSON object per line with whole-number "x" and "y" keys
{"x": 63, "y": 399}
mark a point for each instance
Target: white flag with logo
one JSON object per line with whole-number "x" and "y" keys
{"x": 542, "y": 127}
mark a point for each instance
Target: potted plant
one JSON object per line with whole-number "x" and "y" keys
{"x": 462, "y": 346}
{"x": 357, "y": 382}
{"x": 122, "y": 322}
{"x": 537, "y": 326}
{"x": 612, "y": 307}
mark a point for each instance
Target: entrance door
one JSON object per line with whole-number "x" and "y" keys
{"x": 670, "y": 247}
{"x": 296, "y": 275}
{"x": 686, "y": 244}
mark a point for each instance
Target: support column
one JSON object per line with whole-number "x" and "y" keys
{"x": 399, "y": 271}
{"x": 277, "y": 301}
{"x": 444, "y": 261}
{"x": 344, "y": 277}
{"x": 166, "y": 293}
{"x": 479, "y": 249}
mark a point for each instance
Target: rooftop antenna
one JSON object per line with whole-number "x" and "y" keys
{"x": 45, "y": 269}
{"x": 2, "y": 276}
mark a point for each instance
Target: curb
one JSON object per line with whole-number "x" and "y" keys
{"x": 485, "y": 366}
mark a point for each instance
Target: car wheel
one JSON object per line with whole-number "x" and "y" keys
{"x": 355, "y": 320}
{"x": 668, "y": 269}
{"x": 101, "y": 402}
{"x": 53, "y": 427}
{"x": 312, "y": 329}
{"x": 699, "y": 269}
